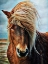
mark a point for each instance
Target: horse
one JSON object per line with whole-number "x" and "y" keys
{"x": 27, "y": 45}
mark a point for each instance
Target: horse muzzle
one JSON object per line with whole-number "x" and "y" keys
{"x": 21, "y": 53}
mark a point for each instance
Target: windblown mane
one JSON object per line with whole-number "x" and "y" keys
{"x": 24, "y": 14}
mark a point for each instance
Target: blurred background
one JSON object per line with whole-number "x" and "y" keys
{"x": 41, "y": 6}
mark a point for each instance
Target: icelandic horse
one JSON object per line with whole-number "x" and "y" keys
{"x": 27, "y": 45}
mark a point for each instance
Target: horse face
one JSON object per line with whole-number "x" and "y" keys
{"x": 20, "y": 38}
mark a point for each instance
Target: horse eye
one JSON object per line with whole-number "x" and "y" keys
{"x": 13, "y": 27}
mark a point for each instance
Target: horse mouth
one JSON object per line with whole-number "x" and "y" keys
{"x": 21, "y": 54}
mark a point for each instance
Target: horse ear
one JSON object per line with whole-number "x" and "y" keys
{"x": 8, "y": 14}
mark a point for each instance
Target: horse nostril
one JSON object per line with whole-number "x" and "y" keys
{"x": 26, "y": 50}
{"x": 18, "y": 50}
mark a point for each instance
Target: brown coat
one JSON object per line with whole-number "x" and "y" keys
{"x": 41, "y": 46}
